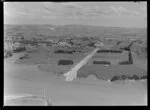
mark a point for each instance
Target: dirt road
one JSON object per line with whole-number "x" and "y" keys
{"x": 70, "y": 75}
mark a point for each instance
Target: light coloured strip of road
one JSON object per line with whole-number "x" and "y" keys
{"x": 70, "y": 75}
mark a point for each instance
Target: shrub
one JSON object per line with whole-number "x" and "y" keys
{"x": 143, "y": 77}
{"x": 26, "y": 56}
{"x": 91, "y": 44}
{"x": 64, "y": 51}
{"x": 99, "y": 51}
{"x": 109, "y": 51}
{"x": 8, "y": 54}
{"x": 65, "y": 62}
{"x": 115, "y": 78}
{"x": 135, "y": 77}
{"x": 123, "y": 77}
{"x": 19, "y": 49}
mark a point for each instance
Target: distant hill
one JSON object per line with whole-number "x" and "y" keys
{"x": 75, "y": 30}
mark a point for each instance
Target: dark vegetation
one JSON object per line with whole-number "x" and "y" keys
{"x": 119, "y": 42}
{"x": 128, "y": 47}
{"x": 65, "y": 62}
{"x": 26, "y": 56}
{"x": 109, "y": 51}
{"x": 64, "y": 51}
{"x": 118, "y": 72}
{"x": 19, "y": 49}
{"x": 127, "y": 77}
{"x": 124, "y": 63}
{"x": 102, "y": 62}
{"x": 94, "y": 34}
{"x": 130, "y": 57}
{"x": 115, "y": 77}
{"x": 31, "y": 42}
{"x": 8, "y": 54}
{"x": 130, "y": 60}
{"x": 143, "y": 77}
{"x": 91, "y": 44}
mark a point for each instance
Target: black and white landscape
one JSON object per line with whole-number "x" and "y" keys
{"x": 75, "y": 53}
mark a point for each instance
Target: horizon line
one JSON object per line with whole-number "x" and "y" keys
{"x": 79, "y": 24}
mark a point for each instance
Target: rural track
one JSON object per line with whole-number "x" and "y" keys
{"x": 70, "y": 75}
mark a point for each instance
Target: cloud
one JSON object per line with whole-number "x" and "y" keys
{"x": 70, "y": 10}
{"x": 121, "y": 11}
{"x": 64, "y": 9}
{"x": 77, "y": 11}
{"x": 127, "y": 12}
{"x": 114, "y": 10}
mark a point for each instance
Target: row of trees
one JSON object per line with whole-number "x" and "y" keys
{"x": 128, "y": 77}
{"x": 130, "y": 60}
{"x": 64, "y": 51}
{"x": 65, "y": 62}
{"x": 115, "y": 77}
{"x": 109, "y": 51}
{"x": 19, "y": 49}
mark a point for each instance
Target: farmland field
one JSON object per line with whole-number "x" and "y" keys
{"x": 36, "y": 68}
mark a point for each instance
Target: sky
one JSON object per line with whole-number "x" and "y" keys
{"x": 114, "y": 14}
